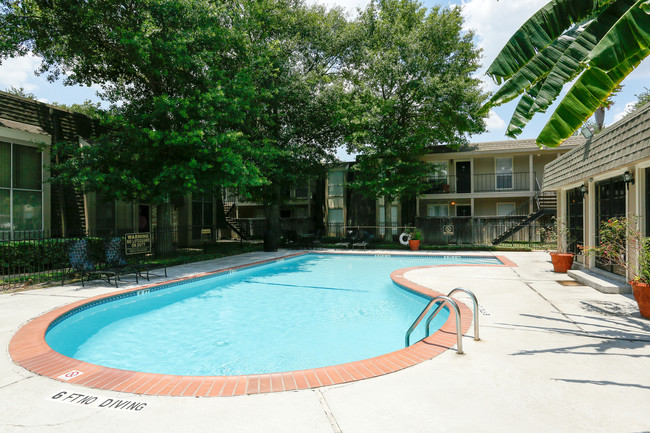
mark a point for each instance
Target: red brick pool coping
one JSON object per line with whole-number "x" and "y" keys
{"x": 29, "y": 350}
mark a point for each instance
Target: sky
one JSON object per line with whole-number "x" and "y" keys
{"x": 492, "y": 21}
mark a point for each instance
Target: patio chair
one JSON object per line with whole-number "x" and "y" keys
{"x": 350, "y": 238}
{"x": 116, "y": 260}
{"x": 366, "y": 239}
{"x": 82, "y": 264}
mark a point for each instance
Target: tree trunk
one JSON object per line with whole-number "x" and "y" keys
{"x": 388, "y": 232}
{"x": 272, "y": 213}
{"x": 164, "y": 245}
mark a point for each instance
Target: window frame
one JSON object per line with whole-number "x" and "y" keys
{"x": 514, "y": 206}
{"x": 498, "y": 175}
{"x": 12, "y": 188}
{"x": 440, "y": 206}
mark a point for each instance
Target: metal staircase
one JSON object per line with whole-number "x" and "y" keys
{"x": 543, "y": 203}
{"x": 229, "y": 212}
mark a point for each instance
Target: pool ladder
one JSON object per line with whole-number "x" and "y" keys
{"x": 446, "y": 300}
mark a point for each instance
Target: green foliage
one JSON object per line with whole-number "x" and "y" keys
{"x": 643, "y": 271}
{"x": 556, "y": 237}
{"x": 179, "y": 76}
{"x": 88, "y": 107}
{"x": 622, "y": 244}
{"x": 34, "y": 255}
{"x": 415, "y": 234}
{"x": 20, "y": 91}
{"x": 642, "y": 98}
{"x": 411, "y": 87}
{"x": 608, "y": 39}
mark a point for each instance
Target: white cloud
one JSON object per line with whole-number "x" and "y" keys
{"x": 494, "y": 122}
{"x": 621, "y": 114}
{"x": 19, "y": 72}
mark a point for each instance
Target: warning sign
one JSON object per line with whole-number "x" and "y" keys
{"x": 137, "y": 243}
{"x": 448, "y": 230}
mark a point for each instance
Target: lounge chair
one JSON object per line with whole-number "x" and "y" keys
{"x": 116, "y": 260}
{"x": 82, "y": 264}
{"x": 350, "y": 238}
{"x": 366, "y": 239}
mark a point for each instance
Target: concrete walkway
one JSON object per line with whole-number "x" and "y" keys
{"x": 551, "y": 359}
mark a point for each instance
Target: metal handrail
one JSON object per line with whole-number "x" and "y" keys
{"x": 459, "y": 332}
{"x": 475, "y": 301}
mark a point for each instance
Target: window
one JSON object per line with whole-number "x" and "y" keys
{"x": 610, "y": 203}
{"x": 437, "y": 210}
{"x": 382, "y": 219}
{"x": 202, "y": 214}
{"x": 503, "y": 168}
{"x": 575, "y": 219}
{"x": 438, "y": 180}
{"x": 302, "y": 192}
{"x": 21, "y": 188}
{"x": 504, "y": 209}
{"x": 336, "y": 182}
{"x": 105, "y": 215}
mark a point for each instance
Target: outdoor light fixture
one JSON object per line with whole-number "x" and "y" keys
{"x": 628, "y": 179}
{"x": 587, "y": 132}
{"x": 584, "y": 190}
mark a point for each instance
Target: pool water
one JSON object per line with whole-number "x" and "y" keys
{"x": 299, "y": 313}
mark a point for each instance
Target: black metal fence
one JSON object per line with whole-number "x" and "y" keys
{"x": 477, "y": 231}
{"x": 30, "y": 257}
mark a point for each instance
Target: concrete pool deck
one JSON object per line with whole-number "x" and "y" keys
{"x": 551, "y": 358}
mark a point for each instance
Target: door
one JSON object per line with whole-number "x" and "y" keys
{"x": 144, "y": 218}
{"x": 463, "y": 177}
{"x": 463, "y": 210}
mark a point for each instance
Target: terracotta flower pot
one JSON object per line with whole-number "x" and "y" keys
{"x": 562, "y": 262}
{"x": 641, "y": 293}
{"x": 414, "y": 245}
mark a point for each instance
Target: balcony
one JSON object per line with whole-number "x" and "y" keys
{"x": 488, "y": 182}
{"x": 493, "y": 182}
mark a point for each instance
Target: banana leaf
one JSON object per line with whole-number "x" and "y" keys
{"x": 586, "y": 95}
{"x": 570, "y": 65}
{"x": 544, "y": 27}
{"x": 536, "y": 69}
{"x": 629, "y": 36}
{"x": 522, "y": 113}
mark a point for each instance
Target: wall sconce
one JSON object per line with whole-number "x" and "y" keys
{"x": 587, "y": 132}
{"x": 628, "y": 179}
{"x": 584, "y": 190}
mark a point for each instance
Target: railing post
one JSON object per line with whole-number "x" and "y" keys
{"x": 475, "y": 302}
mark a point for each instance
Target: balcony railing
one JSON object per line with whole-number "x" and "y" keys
{"x": 519, "y": 181}
{"x": 488, "y": 182}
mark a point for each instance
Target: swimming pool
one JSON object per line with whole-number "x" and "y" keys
{"x": 309, "y": 330}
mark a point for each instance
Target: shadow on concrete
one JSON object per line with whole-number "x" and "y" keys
{"x": 604, "y": 383}
{"x": 628, "y": 333}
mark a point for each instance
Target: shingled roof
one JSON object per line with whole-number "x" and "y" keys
{"x": 527, "y": 144}
{"x": 625, "y": 142}
{"x": 33, "y": 116}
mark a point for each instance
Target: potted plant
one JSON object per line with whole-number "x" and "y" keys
{"x": 415, "y": 235}
{"x": 555, "y": 237}
{"x": 621, "y": 244}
